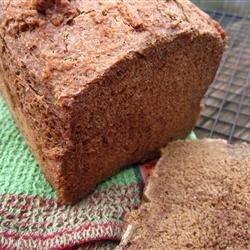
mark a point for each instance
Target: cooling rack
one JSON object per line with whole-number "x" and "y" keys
{"x": 226, "y": 111}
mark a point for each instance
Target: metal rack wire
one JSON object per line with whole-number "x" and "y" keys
{"x": 226, "y": 112}
{"x": 241, "y": 7}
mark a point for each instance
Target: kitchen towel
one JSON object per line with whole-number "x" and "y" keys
{"x": 29, "y": 215}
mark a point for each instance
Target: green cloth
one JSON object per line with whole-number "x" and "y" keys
{"x": 29, "y": 215}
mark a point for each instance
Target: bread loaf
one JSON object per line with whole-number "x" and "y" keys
{"x": 198, "y": 197}
{"x": 95, "y": 85}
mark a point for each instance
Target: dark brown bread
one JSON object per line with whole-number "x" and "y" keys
{"x": 95, "y": 85}
{"x": 198, "y": 197}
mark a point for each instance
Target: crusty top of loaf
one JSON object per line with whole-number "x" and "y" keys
{"x": 65, "y": 45}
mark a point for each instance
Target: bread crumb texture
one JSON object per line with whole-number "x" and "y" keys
{"x": 197, "y": 198}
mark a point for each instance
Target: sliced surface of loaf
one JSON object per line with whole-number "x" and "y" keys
{"x": 198, "y": 197}
{"x": 95, "y": 85}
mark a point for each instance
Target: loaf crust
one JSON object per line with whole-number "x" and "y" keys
{"x": 96, "y": 85}
{"x": 198, "y": 197}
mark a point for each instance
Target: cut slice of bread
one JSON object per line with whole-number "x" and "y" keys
{"x": 198, "y": 197}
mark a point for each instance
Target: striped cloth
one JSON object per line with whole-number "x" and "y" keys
{"x": 29, "y": 215}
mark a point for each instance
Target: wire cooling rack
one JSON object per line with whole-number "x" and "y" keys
{"x": 226, "y": 111}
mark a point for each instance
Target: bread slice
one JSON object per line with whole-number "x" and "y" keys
{"x": 95, "y": 85}
{"x": 198, "y": 197}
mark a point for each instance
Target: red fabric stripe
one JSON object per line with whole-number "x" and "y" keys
{"x": 51, "y": 236}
